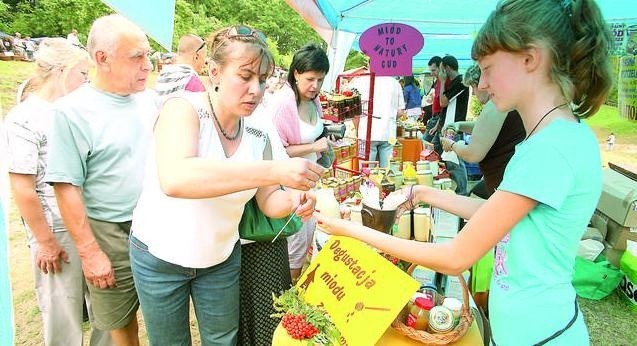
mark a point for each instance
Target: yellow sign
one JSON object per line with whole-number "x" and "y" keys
{"x": 362, "y": 291}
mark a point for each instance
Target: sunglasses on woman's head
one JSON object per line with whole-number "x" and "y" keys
{"x": 245, "y": 31}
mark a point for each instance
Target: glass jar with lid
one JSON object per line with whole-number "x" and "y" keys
{"x": 425, "y": 177}
{"x": 398, "y": 179}
{"x": 418, "y": 317}
{"x": 404, "y": 226}
{"x": 422, "y": 224}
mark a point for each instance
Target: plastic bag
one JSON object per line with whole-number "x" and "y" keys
{"x": 628, "y": 264}
{"x": 595, "y": 280}
{"x": 589, "y": 249}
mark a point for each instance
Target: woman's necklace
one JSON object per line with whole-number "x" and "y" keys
{"x": 223, "y": 132}
{"x": 544, "y": 116}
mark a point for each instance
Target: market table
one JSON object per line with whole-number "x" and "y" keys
{"x": 390, "y": 338}
{"x": 411, "y": 149}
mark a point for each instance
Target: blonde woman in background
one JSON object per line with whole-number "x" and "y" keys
{"x": 59, "y": 281}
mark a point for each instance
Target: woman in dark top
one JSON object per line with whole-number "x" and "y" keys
{"x": 494, "y": 136}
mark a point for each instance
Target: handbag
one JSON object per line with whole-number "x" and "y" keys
{"x": 327, "y": 158}
{"x": 256, "y": 226}
{"x": 595, "y": 280}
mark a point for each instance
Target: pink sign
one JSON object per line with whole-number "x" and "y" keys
{"x": 391, "y": 47}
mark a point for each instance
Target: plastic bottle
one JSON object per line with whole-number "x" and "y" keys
{"x": 418, "y": 317}
{"x": 409, "y": 171}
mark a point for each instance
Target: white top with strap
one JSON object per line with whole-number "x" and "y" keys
{"x": 195, "y": 233}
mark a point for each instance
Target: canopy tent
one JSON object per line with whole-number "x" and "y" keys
{"x": 448, "y": 27}
{"x": 156, "y": 18}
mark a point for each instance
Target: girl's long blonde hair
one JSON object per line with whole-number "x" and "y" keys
{"x": 576, "y": 35}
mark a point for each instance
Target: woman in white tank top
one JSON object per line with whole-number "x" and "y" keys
{"x": 206, "y": 163}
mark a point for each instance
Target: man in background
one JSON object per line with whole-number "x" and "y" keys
{"x": 454, "y": 100}
{"x": 184, "y": 73}
{"x": 431, "y": 134}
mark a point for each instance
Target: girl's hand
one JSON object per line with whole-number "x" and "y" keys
{"x": 409, "y": 204}
{"x": 334, "y": 226}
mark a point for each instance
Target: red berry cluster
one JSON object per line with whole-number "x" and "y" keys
{"x": 392, "y": 259}
{"x": 298, "y": 327}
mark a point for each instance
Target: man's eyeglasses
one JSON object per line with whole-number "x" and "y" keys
{"x": 203, "y": 44}
{"x": 245, "y": 31}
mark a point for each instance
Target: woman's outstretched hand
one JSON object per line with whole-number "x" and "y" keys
{"x": 298, "y": 173}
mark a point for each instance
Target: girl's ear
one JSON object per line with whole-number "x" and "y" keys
{"x": 532, "y": 58}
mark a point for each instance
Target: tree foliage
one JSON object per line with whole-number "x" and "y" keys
{"x": 285, "y": 29}
{"x": 54, "y": 17}
{"x": 4, "y": 16}
{"x": 355, "y": 59}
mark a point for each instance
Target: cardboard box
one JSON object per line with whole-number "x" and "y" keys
{"x": 612, "y": 255}
{"x": 619, "y": 198}
{"x": 444, "y": 224}
{"x": 600, "y": 221}
{"x": 617, "y": 235}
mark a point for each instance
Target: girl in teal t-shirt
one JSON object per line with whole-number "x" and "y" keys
{"x": 548, "y": 60}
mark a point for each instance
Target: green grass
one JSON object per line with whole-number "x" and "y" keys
{"x": 610, "y": 321}
{"x": 13, "y": 73}
{"x": 608, "y": 120}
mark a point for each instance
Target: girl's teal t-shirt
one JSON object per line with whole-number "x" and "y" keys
{"x": 531, "y": 292}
